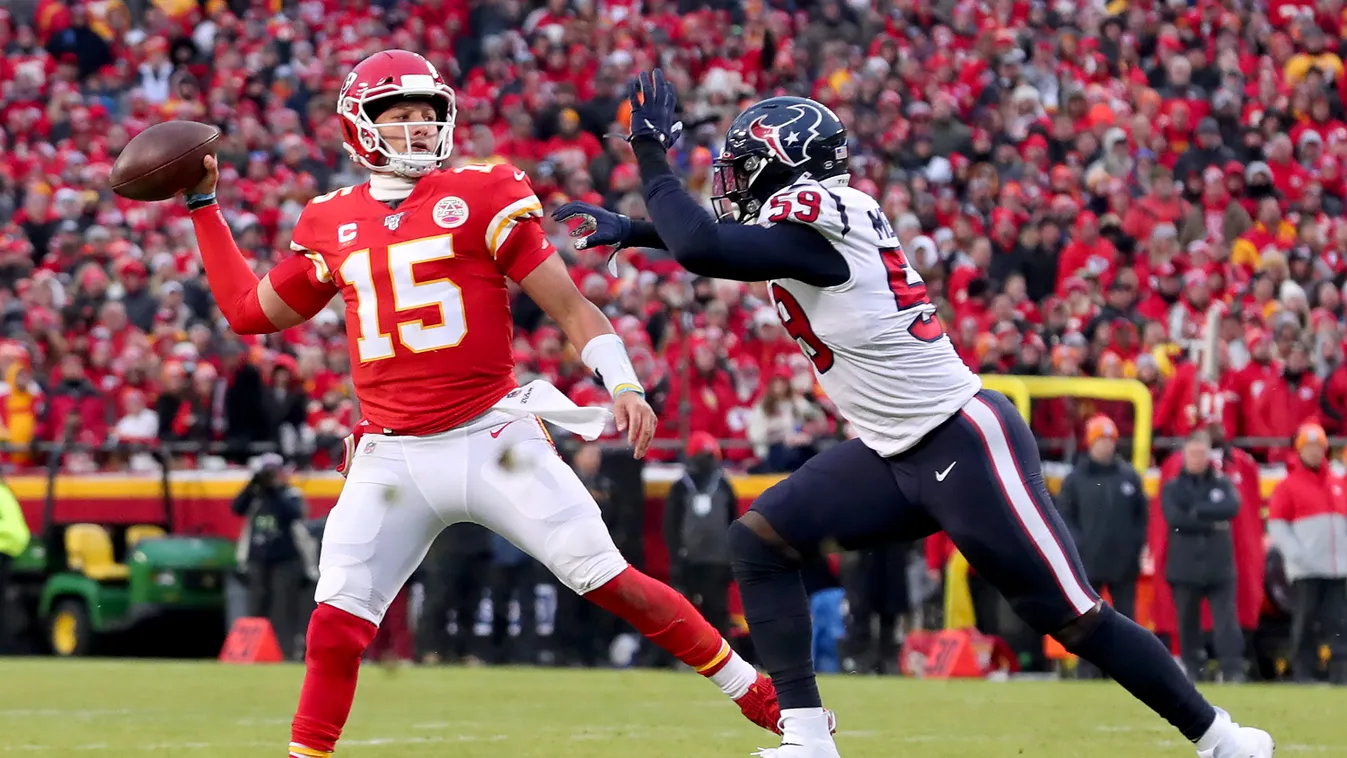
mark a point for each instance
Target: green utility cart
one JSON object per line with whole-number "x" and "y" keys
{"x": 134, "y": 588}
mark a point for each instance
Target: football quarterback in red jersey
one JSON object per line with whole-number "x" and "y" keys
{"x": 420, "y": 257}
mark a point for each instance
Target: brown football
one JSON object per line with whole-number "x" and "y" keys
{"x": 163, "y": 160}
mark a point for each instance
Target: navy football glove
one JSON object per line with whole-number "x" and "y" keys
{"x": 598, "y": 226}
{"x": 653, "y": 102}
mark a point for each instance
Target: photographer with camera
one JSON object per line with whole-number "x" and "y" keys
{"x": 276, "y": 553}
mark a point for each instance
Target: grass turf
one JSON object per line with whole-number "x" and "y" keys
{"x": 121, "y": 709}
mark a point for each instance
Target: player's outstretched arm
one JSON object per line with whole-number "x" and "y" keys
{"x": 701, "y": 245}
{"x": 286, "y": 296}
{"x": 551, "y": 287}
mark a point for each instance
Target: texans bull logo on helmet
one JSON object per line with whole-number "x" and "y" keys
{"x": 771, "y": 145}
{"x": 788, "y": 140}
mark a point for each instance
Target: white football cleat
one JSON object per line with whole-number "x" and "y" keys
{"x": 805, "y": 736}
{"x": 1235, "y": 741}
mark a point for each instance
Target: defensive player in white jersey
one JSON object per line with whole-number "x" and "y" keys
{"x": 935, "y": 451}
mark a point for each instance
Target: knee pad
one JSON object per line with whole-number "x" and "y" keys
{"x": 581, "y": 554}
{"x": 750, "y": 551}
{"x": 348, "y": 584}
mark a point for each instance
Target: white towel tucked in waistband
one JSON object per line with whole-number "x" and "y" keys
{"x": 541, "y": 399}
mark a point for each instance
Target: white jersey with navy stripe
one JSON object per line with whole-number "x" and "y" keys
{"x": 877, "y": 347}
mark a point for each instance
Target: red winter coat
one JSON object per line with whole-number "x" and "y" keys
{"x": 1098, "y": 258}
{"x": 1333, "y": 401}
{"x": 81, "y": 400}
{"x": 1246, "y": 529}
{"x": 1246, "y": 386}
{"x": 711, "y": 399}
{"x": 1187, "y": 402}
{"x": 1284, "y": 407}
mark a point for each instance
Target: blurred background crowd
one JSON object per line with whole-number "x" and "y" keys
{"x": 1088, "y": 188}
{"x": 1148, "y": 189}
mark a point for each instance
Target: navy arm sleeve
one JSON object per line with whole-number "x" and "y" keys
{"x": 731, "y": 251}
{"x": 644, "y": 234}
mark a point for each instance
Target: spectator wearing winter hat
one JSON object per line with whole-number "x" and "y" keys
{"x": 241, "y": 398}
{"x": 1104, "y": 504}
{"x": 1208, "y": 150}
{"x": 1087, "y": 252}
{"x": 1307, "y": 521}
{"x": 1291, "y": 398}
{"x": 140, "y": 304}
{"x": 1161, "y": 204}
{"x": 74, "y": 401}
{"x": 698, "y": 511}
{"x": 1314, "y": 54}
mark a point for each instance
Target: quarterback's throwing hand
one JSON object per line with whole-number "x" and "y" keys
{"x": 634, "y": 416}
{"x": 207, "y": 184}
{"x": 598, "y": 226}
{"x": 653, "y": 106}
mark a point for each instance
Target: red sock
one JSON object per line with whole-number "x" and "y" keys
{"x": 665, "y": 617}
{"x": 336, "y": 640}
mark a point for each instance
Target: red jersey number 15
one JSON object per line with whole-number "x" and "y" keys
{"x": 375, "y": 344}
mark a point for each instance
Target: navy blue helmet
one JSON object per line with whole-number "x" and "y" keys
{"x": 773, "y": 144}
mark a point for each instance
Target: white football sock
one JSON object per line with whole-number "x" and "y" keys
{"x": 1221, "y": 728}
{"x": 809, "y": 723}
{"x": 735, "y": 677}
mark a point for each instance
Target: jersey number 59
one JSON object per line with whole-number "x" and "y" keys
{"x": 909, "y": 294}
{"x": 796, "y": 324}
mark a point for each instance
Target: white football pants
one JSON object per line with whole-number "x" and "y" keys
{"x": 401, "y": 492}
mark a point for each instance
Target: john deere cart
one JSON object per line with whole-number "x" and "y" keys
{"x": 132, "y": 588}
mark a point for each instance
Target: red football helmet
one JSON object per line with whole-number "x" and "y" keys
{"x": 387, "y": 77}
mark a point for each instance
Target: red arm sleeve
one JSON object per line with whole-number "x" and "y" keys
{"x": 231, "y": 279}
{"x": 299, "y": 280}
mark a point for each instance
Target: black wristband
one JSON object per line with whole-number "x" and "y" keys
{"x": 197, "y": 202}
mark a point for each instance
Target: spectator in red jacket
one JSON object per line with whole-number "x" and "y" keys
{"x": 1291, "y": 399}
{"x": 1249, "y": 383}
{"x": 1088, "y": 252}
{"x": 1159, "y": 206}
{"x": 1307, "y": 520}
{"x": 708, "y": 391}
{"x": 74, "y": 400}
{"x": 769, "y": 346}
{"x": 1333, "y": 399}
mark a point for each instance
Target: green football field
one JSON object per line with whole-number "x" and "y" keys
{"x": 121, "y": 709}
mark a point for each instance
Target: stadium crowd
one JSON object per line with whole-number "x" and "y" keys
{"x": 1080, "y": 184}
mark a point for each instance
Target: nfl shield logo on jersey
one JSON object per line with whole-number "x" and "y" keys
{"x": 451, "y": 212}
{"x": 393, "y": 222}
